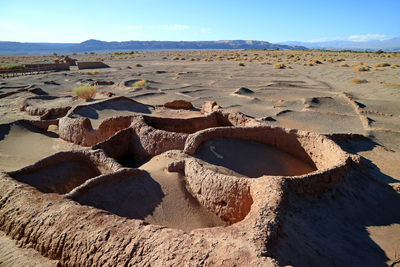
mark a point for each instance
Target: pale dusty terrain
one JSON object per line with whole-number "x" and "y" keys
{"x": 348, "y": 225}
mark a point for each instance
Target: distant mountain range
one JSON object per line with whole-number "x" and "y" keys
{"x": 371, "y": 45}
{"x": 16, "y": 48}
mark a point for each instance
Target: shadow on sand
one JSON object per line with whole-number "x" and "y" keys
{"x": 133, "y": 197}
{"x": 331, "y": 229}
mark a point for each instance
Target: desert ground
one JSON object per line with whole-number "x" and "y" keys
{"x": 345, "y": 100}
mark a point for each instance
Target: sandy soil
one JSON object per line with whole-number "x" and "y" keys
{"x": 12, "y": 255}
{"x": 22, "y": 145}
{"x": 319, "y": 98}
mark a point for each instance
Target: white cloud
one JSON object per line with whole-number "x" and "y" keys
{"x": 367, "y": 37}
{"x": 134, "y": 27}
{"x": 323, "y": 39}
{"x": 205, "y": 30}
{"x": 175, "y": 27}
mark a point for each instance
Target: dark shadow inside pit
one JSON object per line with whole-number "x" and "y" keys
{"x": 155, "y": 196}
{"x": 340, "y": 227}
{"x": 189, "y": 126}
{"x": 110, "y": 108}
{"x": 59, "y": 178}
{"x": 6, "y": 128}
{"x": 251, "y": 158}
{"x": 133, "y": 197}
{"x": 130, "y": 161}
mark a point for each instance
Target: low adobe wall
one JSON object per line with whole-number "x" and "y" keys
{"x": 92, "y": 65}
{"x": 46, "y": 67}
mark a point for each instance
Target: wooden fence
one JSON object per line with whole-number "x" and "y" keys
{"x": 35, "y": 68}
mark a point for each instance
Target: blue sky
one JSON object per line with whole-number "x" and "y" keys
{"x": 273, "y": 21}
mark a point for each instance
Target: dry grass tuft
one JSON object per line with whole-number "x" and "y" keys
{"x": 343, "y": 64}
{"x": 361, "y": 68}
{"x": 382, "y": 64}
{"x": 86, "y": 92}
{"x": 279, "y": 66}
{"x": 141, "y": 84}
{"x": 91, "y": 72}
{"x": 241, "y": 64}
{"x": 12, "y": 67}
{"x": 358, "y": 81}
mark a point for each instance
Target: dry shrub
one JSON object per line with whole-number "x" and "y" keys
{"x": 142, "y": 84}
{"x": 91, "y": 72}
{"x": 175, "y": 58}
{"x": 86, "y": 92}
{"x": 138, "y": 65}
{"x": 358, "y": 81}
{"x": 279, "y": 66}
{"x": 241, "y": 64}
{"x": 382, "y": 64}
{"x": 12, "y": 67}
{"x": 343, "y": 64}
{"x": 361, "y": 68}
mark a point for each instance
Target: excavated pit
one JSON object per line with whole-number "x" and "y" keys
{"x": 250, "y": 158}
{"x": 48, "y": 107}
{"x": 64, "y": 171}
{"x": 59, "y": 176}
{"x": 155, "y": 196}
{"x": 116, "y": 106}
{"x": 186, "y": 125}
{"x": 22, "y": 144}
{"x": 311, "y": 163}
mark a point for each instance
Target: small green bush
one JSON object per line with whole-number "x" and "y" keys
{"x": 86, "y": 92}
{"x": 138, "y": 65}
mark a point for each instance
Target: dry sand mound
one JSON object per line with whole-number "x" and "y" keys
{"x": 243, "y": 91}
